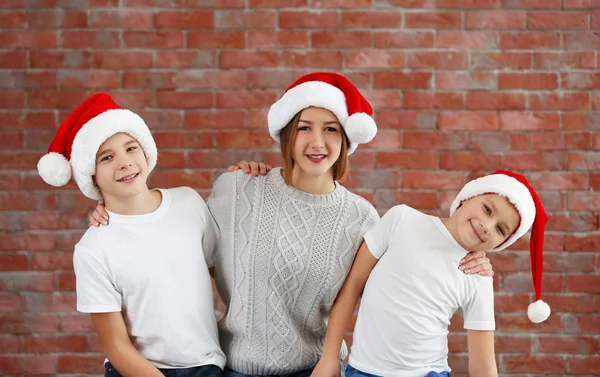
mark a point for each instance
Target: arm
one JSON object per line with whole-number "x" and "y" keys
{"x": 341, "y": 312}
{"x": 118, "y": 348}
{"x": 477, "y": 263}
{"x": 482, "y": 360}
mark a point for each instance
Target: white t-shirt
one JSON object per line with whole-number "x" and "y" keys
{"x": 154, "y": 269}
{"x": 411, "y": 294}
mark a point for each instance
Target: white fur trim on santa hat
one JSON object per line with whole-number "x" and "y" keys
{"x": 95, "y": 132}
{"x": 516, "y": 193}
{"x": 54, "y": 169}
{"x": 538, "y": 311}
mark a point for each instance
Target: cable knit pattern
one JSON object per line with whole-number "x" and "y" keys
{"x": 282, "y": 258}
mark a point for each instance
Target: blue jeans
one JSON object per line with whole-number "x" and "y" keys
{"x": 303, "y": 373}
{"x": 353, "y": 372}
{"x": 201, "y": 371}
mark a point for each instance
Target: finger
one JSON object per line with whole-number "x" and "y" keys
{"x": 489, "y": 273}
{"x": 262, "y": 168}
{"x": 97, "y": 218}
{"x": 232, "y": 168}
{"x": 475, "y": 262}
{"x": 269, "y": 168}
{"x": 243, "y": 165}
{"x": 253, "y": 168}
{"x": 473, "y": 255}
{"x": 475, "y": 269}
{"x": 102, "y": 212}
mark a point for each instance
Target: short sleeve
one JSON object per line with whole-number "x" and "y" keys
{"x": 379, "y": 236}
{"x": 96, "y": 292}
{"x": 479, "y": 310}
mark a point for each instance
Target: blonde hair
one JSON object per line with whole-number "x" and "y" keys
{"x": 287, "y": 138}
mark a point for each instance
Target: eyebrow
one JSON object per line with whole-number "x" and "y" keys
{"x": 132, "y": 141}
{"x": 329, "y": 122}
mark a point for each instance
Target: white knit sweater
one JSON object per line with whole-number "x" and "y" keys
{"x": 282, "y": 257}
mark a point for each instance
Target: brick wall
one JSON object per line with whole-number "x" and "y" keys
{"x": 460, "y": 87}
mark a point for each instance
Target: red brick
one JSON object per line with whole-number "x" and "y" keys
{"x": 121, "y": 18}
{"x": 153, "y": 39}
{"x": 479, "y": 20}
{"x": 436, "y": 20}
{"x": 246, "y": 19}
{"x": 342, "y": 3}
{"x": 529, "y": 40}
{"x": 568, "y": 303}
{"x": 589, "y": 323}
{"x": 589, "y": 242}
{"x": 453, "y": 80}
{"x": 583, "y": 364}
{"x": 580, "y": 4}
{"x": 540, "y": 81}
{"x": 313, "y": 59}
{"x": 308, "y": 19}
{"x": 403, "y": 39}
{"x": 559, "y": 181}
{"x": 13, "y": 262}
{"x": 520, "y": 323}
{"x": 95, "y": 79}
{"x": 466, "y": 4}
{"x": 595, "y": 182}
{"x": 439, "y": 180}
{"x": 584, "y": 160}
{"x": 407, "y": 160}
{"x": 22, "y": 201}
{"x": 12, "y": 140}
{"x": 529, "y": 121}
{"x": 146, "y": 79}
{"x": 10, "y": 181}
{"x": 13, "y": 19}
{"x": 372, "y": 20}
{"x": 434, "y": 140}
{"x": 489, "y": 141}
{"x": 54, "y": 260}
{"x": 185, "y": 59}
{"x": 183, "y": 100}
{"x": 583, "y": 283}
{"x": 13, "y": 59}
{"x": 408, "y": 80}
{"x": 50, "y": 344}
{"x": 340, "y": 39}
{"x": 86, "y": 38}
{"x": 278, "y": 39}
{"x": 245, "y": 99}
{"x": 512, "y": 343}
{"x": 495, "y": 101}
{"x": 215, "y": 120}
{"x": 66, "y": 281}
{"x": 529, "y": 364}
{"x": 11, "y": 344}
{"x": 581, "y": 40}
{"x": 559, "y": 101}
{"x": 375, "y": 59}
{"x": 11, "y": 302}
{"x": 25, "y": 323}
{"x": 427, "y": 4}
{"x": 246, "y": 59}
{"x": 28, "y": 39}
{"x": 243, "y": 140}
{"x": 510, "y": 303}
{"x": 387, "y": 139}
{"x": 418, "y": 200}
{"x": 563, "y": 60}
{"x": 580, "y": 80}
{"x": 596, "y": 20}
{"x": 467, "y": 120}
{"x": 439, "y": 60}
{"x": 29, "y": 364}
{"x": 81, "y": 364}
{"x": 476, "y": 40}
{"x": 12, "y": 100}
{"x": 558, "y": 20}
{"x": 188, "y": 19}
{"x": 153, "y": 3}
{"x": 535, "y": 161}
{"x": 273, "y": 3}
{"x": 216, "y": 39}
{"x": 470, "y": 161}
{"x": 372, "y": 179}
{"x": 427, "y": 100}
{"x": 500, "y": 60}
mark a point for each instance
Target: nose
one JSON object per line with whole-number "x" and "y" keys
{"x": 485, "y": 226}
{"x": 317, "y": 140}
{"x": 124, "y": 162}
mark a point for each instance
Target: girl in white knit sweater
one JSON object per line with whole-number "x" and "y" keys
{"x": 288, "y": 238}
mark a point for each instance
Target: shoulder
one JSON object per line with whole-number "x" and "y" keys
{"x": 93, "y": 243}
{"x": 182, "y": 193}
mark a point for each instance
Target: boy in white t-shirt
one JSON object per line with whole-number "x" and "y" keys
{"x": 407, "y": 267}
{"x": 145, "y": 278}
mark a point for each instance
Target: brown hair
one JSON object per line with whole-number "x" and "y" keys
{"x": 287, "y": 138}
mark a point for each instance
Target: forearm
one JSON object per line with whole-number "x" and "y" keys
{"x": 339, "y": 321}
{"x": 486, "y": 371}
{"x": 482, "y": 358}
{"x": 129, "y": 362}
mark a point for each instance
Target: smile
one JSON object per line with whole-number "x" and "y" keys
{"x": 475, "y": 231}
{"x": 128, "y": 178}
{"x": 316, "y": 157}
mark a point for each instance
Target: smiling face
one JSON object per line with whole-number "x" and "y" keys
{"x": 485, "y": 222}
{"x": 121, "y": 167}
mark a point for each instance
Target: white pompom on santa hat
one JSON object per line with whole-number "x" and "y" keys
{"x": 330, "y": 91}
{"x": 519, "y": 193}
{"x": 72, "y": 153}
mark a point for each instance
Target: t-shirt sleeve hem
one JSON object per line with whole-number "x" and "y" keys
{"x": 98, "y": 309}
{"x": 372, "y": 244}
{"x": 480, "y": 325}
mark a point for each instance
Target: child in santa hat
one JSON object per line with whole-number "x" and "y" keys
{"x": 407, "y": 273}
{"x": 145, "y": 278}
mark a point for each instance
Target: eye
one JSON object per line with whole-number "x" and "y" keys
{"x": 131, "y": 149}
{"x": 106, "y": 158}
{"x": 501, "y": 230}
{"x": 303, "y": 128}
{"x": 488, "y": 210}
{"x": 331, "y": 129}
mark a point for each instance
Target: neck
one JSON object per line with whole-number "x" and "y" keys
{"x": 452, "y": 227}
{"x": 312, "y": 184}
{"x": 143, "y": 203}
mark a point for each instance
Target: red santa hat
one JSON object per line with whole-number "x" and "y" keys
{"x": 519, "y": 192}
{"x": 72, "y": 153}
{"x": 330, "y": 91}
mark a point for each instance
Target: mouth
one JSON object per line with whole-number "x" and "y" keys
{"x": 128, "y": 178}
{"x": 475, "y": 231}
{"x": 316, "y": 157}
